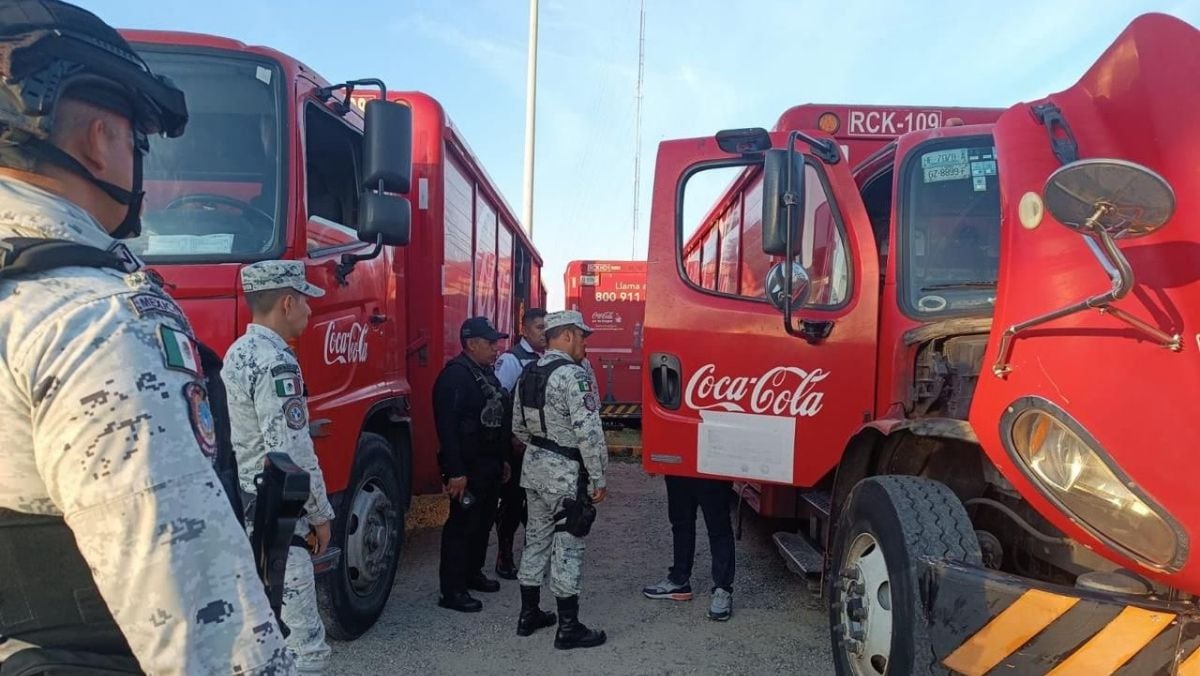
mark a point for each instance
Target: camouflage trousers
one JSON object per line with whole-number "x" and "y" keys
{"x": 561, "y": 552}
{"x": 307, "y": 640}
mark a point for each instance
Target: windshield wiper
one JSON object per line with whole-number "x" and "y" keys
{"x": 960, "y": 285}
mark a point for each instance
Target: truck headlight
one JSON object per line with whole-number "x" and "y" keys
{"x": 1071, "y": 469}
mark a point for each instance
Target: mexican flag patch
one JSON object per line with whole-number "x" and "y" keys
{"x": 179, "y": 350}
{"x": 288, "y": 386}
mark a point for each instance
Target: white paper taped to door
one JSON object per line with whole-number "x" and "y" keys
{"x": 746, "y": 445}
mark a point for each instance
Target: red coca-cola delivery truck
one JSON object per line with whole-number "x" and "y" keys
{"x": 974, "y": 355}
{"x": 612, "y": 297}
{"x": 396, "y": 220}
{"x": 713, "y": 253}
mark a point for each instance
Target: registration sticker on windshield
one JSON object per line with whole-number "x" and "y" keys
{"x": 188, "y": 245}
{"x": 983, "y": 167}
{"x": 944, "y": 157}
{"x": 947, "y": 172}
{"x": 946, "y": 165}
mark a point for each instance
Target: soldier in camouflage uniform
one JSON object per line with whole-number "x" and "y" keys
{"x": 565, "y": 431}
{"x": 117, "y": 535}
{"x": 268, "y": 412}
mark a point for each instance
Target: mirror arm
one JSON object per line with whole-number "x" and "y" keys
{"x": 824, "y": 149}
{"x": 1122, "y": 279}
{"x": 342, "y": 107}
{"x": 790, "y": 200}
{"x": 350, "y": 260}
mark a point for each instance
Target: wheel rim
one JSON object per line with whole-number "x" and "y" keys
{"x": 865, "y": 626}
{"x": 370, "y": 537}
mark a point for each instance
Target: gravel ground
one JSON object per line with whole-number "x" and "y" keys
{"x": 777, "y": 626}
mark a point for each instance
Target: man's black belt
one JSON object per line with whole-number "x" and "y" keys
{"x": 568, "y": 452}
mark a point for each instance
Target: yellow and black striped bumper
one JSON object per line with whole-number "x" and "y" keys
{"x": 621, "y": 411}
{"x": 986, "y": 622}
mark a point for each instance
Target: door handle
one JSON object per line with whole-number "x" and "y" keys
{"x": 666, "y": 378}
{"x": 377, "y": 318}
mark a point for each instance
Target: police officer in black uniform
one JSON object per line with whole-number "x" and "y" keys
{"x": 473, "y": 413}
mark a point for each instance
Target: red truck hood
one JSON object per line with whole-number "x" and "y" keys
{"x": 1136, "y": 399}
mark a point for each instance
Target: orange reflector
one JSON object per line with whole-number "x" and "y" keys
{"x": 829, "y": 123}
{"x": 1190, "y": 666}
{"x": 1025, "y": 618}
{"x": 1116, "y": 643}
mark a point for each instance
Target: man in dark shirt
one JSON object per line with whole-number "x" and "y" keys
{"x": 474, "y": 424}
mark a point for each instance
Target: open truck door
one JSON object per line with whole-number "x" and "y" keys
{"x": 728, "y": 392}
{"x": 1086, "y": 402}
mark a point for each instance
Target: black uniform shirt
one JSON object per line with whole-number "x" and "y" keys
{"x": 459, "y": 399}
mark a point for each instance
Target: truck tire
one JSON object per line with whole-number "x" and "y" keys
{"x": 875, "y": 613}
{"x": 370, "y": 530}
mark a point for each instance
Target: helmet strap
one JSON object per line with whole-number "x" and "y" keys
{"x": 131, "y": 226}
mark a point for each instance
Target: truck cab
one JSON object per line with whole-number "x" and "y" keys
{"x": 275, "y": 164}
{"x": 957, "y": 357}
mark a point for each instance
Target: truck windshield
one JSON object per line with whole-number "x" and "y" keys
{"x": 213, "y": 193}
{"x": 950, "y": 228}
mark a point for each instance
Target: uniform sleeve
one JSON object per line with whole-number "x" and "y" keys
{"x": 585, "y": 418}
{"x": 447, "y": 409}
{"x": 508, "y": 370}
{"x": 283, "y": 420}
{"x": 118, "y": 444}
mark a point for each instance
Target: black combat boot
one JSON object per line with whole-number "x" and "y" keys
{"x": 571, "y": 632}
{"x": 532, "y": 617}
{"x": 505, "y": 567}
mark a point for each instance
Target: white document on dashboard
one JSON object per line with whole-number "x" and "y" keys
{"x": 746, "y": 445}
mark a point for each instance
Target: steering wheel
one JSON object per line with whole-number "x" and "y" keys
{"x": 220, "y": 200}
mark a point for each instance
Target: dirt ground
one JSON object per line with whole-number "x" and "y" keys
{"x": 777, "y": 626}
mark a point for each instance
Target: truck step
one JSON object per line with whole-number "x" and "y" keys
{"x": 821, "y": 501}
{"x": 798, "y": 553}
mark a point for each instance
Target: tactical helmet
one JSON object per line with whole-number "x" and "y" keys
{"x": 50, "y": 49}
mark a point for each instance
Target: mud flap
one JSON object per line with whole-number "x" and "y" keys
{"x": 987, "y": 622}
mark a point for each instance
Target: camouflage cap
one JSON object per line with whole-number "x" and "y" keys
{"x": 267, "y": 275}
{"x": 567, "y": 318}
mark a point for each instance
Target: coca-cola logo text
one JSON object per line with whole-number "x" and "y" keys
{"x": 783, "y": 390}
{"x": 345, "y": 346}
{"x": 607, "y": 317}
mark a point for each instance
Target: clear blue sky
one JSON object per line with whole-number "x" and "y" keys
{"x": 710, "y": 65}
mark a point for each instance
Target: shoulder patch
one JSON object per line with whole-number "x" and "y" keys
{"x": 583, "y": 382}
{"x": 281, "y": 369}
{"x": 200, "y": 414}
{"x": 590, "y": 403}
{"x": 288, "y": 386}
{"x": 294, "y": 413}
{"x": 179, "y": 350}
{"x": 152, "y": 304}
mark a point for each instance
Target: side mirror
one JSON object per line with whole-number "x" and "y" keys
{"x": 776, "y": 287}
{"x": 387, "y": 141}
{"x": 384, "y": 218}
{"x": 783, "y": 201}
{"x": 1115, "y": 197}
